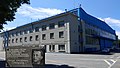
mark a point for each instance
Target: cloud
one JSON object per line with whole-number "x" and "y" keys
{"x": 37, "y": 13}
{"x": 114, "y": 23}
{"x": 9, "y": 28}
{"x": 40, "y": 13}
{"x": 118, "y": 33}
{"x": 111, "y": 21}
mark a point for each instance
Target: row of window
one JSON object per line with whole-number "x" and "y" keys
{"x": 44, "y": 27}
{"x": 90, "y": 31}
{"x": 61, "y": 35}
{"x": 61, "y": 48}
{"x": 92, "y": 41}
{"x": 94, "y": 30}
{"x": 52, "y": 35}
{"x": 25, "y": 39}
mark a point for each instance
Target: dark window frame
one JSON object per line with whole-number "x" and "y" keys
{"x": 43, "y": 36}
{"x": 37, "y": 29}
{"x": 16, "y": 33}
{"x": 31, "y": 38}
{"x": 61, "y": 24}
{"x": 30, "y": 30}
{"x": 44, "y": 27}
{"x": 21, "y": 33}
{"x": 25, "y": 31}
{"x": 51, "y": 35}
{"x": 36, "y": 37}
{"x": 61, "y": 47}
{"x": 16, "y": 40}
{"x": 25, "y": 39}
{"x": 52, "y": 26}
{"x": 12, "y": 40}
{"x": 20, "y": 39}
{"x": 61, "y": 34}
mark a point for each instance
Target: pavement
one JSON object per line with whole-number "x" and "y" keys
{"x": 61, "y": 60}
{"x": 84, "y": 60}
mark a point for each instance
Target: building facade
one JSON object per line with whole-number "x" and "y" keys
{"x": 73, "y": 31}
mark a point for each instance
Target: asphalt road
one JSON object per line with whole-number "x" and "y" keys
{"x": 83, "y": 60}
{"x": 61, "y": 60}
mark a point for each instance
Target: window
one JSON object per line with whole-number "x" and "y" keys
{"x": 13, "y": 34}
{"x": 16, "y": 40}
{"x": 20, "y": 39}
{"x": 25, "y": 31}
{"x": 61, "y": 34}
{"x": 30, "y": 38}
{"x": 31, "y": 31}
{"x": 44, "y": 27}
{"x": 25, "y": 39}
{"x": 12, "y": 40}
{"x": 16, "y": 33}
{"x": 4, "y": 42}
{"x": 52, "y": 26}
{"x": 21, "y": 33}
{"x": 92, "y": 41}
{"x": 61, "y": 47}
{"x": 43, "y": 36}
{"x": 61, "y": 24}
{"x": 9, "y": 41}
{"x": 36, "y": 37}
{"x": 36, "y": 29}
{"x": 51, "y": 35}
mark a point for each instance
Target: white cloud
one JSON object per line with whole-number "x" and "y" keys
{"x": 9, "y": 28}
{"x": 114, "y": 23}
{"x": 40, "y": 13}
{"x": 37, "y": 13}
{"x": 111, "y": 21}
{"x": 118, "y": 33}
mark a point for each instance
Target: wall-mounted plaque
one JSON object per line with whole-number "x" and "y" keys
{"x": 25, "y": 56}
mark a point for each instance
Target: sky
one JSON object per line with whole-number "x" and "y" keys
{"x": 106, "y": 10}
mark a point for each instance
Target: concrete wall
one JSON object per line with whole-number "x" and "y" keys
{"x": 56, "y": 41}
{"x": 70, "y": 29}
{"x": 74, "y": 36}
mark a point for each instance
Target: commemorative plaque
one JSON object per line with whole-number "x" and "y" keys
{"x": 25, "y": 56}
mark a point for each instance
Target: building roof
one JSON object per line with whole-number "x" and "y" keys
{"x": 94, "y": 21}
{"x": 43, "y": 20}
{"x": 78, "y": 12}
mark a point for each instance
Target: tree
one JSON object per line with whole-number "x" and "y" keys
{"x": 8, "y": 9}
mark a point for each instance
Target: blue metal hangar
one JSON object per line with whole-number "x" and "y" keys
{"x": 96, "y": 34}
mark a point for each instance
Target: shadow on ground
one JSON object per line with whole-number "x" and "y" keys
{"x": 57, "y": 66}
{"x": 111, "y": 53}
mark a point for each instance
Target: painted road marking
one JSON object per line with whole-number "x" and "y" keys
{"x": 107, "y": 62}
{"x": 110, "y": 62}
{"x": 118, "y": 57}
{"x": 113, "y": 60}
